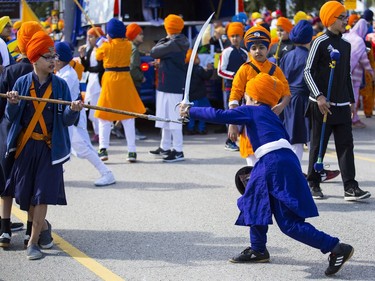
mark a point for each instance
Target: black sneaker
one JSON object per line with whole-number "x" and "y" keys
{"x": 250, "y": 256}
{"x": 174, "y": 156}
{"x": 316, "y": 192}
{"x": 338, "y": 258}
{"x": 5, "y": 240}
{"x": 132, "y": 157}
{"x": 355, "y": 193}
{"x": 16, "y": 226}
{"x": 103, "y": 154}
{"x": 326, "y": 175}
{"x": 160, "y": 152}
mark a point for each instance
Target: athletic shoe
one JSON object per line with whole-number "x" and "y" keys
{"x": 231, "y": 146}
{"x": 174, "y": 156}
{"x": 139, "y": 136}
{"x": 16, "y": 226}
{"x": 106, "y": 179}
{"x": 326, "y": 175}
{"x": 160, "y": 152}
{"x": 358, "y": 124}
{"x": 316, "y": 192}
{"x": 250, "y": 256}
{"x": 132, "y": 157}
{"x": 5, "y": 240}
{"x": 45, "y": 237}
{"x": 33, "y": 252}
{"x": 338, "y": 257}
{"x": 103, "y": 154}
{"x": 355, "y": 193}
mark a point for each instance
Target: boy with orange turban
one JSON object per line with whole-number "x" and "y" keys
{"x": 230, "y": 61}
{"x": 95, "y": 69}
{"x": 257, "y": 40}
{"x": 284, "y": 45}
{"x": 277, "y": 185}
{"x": 171, "y": 51}
{"x": 39, "y": 142}
{"x": 116, "y": 55}
{"x": 339, "y": 122}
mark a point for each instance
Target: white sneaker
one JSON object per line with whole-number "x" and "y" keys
{"x": 106, "y": 179}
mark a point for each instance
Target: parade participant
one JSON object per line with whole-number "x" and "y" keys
{"x": 300, "y": 15}
{"x": 359, "y": 63}
{"x": 284, "y": 45}
{"x": 5, "y": 31}
{"x": 8, "y": 79}
{"x": 276, "y": 186}
{"x": 39, "y": 139}
{"x": 79, "y": 137}
{"x": 317, "y": 75}
{"x": 197, "y": 92}
{"x": 292, "y": 65}
{"x": 171, "y": 51}
{"x": 116, "y": 55}
{"x": 257, "y": 40}
{"x": 135, "y": 34}
{"x": 95, "y": 69}
{"x": 230, "y": 61}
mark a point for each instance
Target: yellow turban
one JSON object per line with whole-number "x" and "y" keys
{"x": 300, "y": 15}
{"x": 265, "y": 88}
{"x": 39, "y": 44}
{"x": 235, "y": 28}
{"x": 24, "y": 34}
{"x": 173, "y": 24}
{"x": 55, "y": 12}
{"x": 284, "y": 23}
{"x": 256, "y": 15}
{"x": 17, "y": 24}
{"x": 3, "y": 22}
{"x": 329, "y": 11}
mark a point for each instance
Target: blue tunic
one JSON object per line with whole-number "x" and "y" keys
{"x": 296, "y": 124}
{"x": 277, "y": 174}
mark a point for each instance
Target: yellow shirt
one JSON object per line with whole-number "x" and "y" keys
{"x": 244, "y": 74}
{"x": 118, "y": 90}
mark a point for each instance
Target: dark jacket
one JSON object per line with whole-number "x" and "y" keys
{"x": 85, "y": 61}
{"x": 197, "y": 85}
{"x": 171, "y": 73}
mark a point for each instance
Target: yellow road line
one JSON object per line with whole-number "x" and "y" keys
{"x": 76, "y": 254}
{"x": 333, "y": 154}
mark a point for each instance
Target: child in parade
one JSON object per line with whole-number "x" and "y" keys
{"x": 79, "y": 136}
{"x": 95, "y": 69}
{"x": 197, "y": 93}
{"x": 171, "y": 51}
{"x": 118, "y": 90}
{"x": 277, "y": 185}
{"x": 231, "y": 59}
{"x": 257, "y": 40}
{"x": 39, "y": 140}
{"x": 339, "y": 122}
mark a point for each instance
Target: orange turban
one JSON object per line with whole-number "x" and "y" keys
{"x": 39, "y": 44}
{"x": 173, "y": 24}
{"x": 93, "y": 31}
{"x": 353, "y": 18}
{"x": 265, "y": 88}
{"x": 17, "y": 24}
{"x": 132, "y": 30}
{"x": 235, "y": 28}
{"x": 188, "y": 55}
{"x": 257, "y": 34}
{"x": 284, "y": 23}
{"x": 329, "y": 11}
{"x": 24, "y": 34}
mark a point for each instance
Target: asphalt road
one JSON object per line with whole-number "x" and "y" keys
{"x": 175, "y": 221}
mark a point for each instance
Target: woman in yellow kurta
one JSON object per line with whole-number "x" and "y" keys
{"x": 260, "y": 38}
{"x": 118, "y": 90}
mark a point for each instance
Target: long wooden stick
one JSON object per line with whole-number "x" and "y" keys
{"x": 87, "y": 17}
{"x": 95, "y": 107}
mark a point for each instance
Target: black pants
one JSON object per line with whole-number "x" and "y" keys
{"x": 342, "y": 132}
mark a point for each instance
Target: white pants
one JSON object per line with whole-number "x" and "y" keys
{"x": 105, "y": 133}
{"x": 82, "y": 147}
{"x": 171, "y": 133}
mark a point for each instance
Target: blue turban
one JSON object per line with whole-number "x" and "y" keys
{"x": 64, "y": 51}
{"x": 240, "y": 17}
{"x": 301, "y": 33}
{"x": 116, "y": 29}
{"x": 368, "y": 15}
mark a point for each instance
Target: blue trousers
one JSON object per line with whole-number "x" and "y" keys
{"x": 293, "y": 226}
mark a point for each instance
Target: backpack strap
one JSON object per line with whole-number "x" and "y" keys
{"x": 272, "y": 70}
{"x": 254, "y": 67}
